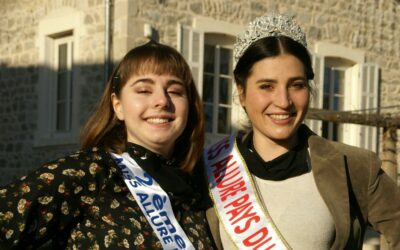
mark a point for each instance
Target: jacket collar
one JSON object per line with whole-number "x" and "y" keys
{"x": 329, "y": 168}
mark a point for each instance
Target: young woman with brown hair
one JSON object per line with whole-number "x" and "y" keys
{"x": 134, "y": 184}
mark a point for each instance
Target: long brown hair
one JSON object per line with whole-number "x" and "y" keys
{"x": 103, "y": 129}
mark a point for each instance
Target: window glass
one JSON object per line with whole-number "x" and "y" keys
{"x": 225, "y": 90}
{"x": 208, "y": 88}
{"x": 63, "y": 95}
{"x": 225, "y": 62}
{"x": 333, "y": 99}
{"x": 224, "y": 124}
{"x": 209, "y": 57}
{"x": 61, "y": 118}
{"x": 217, "y": 88}
{"x": 62, "y": 86}
{"x": 208, "y": 113}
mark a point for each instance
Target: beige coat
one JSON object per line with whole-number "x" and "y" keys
{"x": 356, "y": 191}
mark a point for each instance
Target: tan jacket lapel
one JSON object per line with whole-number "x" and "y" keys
{"x": 329, "y": 170}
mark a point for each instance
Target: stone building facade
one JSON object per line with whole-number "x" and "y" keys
{"x": 52, "y": 63}
{"x": 352, "y": 42}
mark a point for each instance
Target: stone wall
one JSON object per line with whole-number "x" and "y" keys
{"x": 368, "y": 25}
{"x": 19, "y": 69}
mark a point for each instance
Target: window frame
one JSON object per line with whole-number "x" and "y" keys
{"x": 59, "y": 24}
{"x": 67, "y": 40}
{"x": 353, "y": 134}
{"x": 335, "y": 131}
{"x": 203, "y": 26}
{"x": 216, "y": 103}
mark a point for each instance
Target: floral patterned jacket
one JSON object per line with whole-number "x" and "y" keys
{"x": 82, "y": 202}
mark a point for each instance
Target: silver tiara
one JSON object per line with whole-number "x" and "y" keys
{"x": 269, "y": 25}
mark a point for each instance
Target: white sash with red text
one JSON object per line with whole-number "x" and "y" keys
{"x": 154, "y": 203}
{"x": 236, "y": 201}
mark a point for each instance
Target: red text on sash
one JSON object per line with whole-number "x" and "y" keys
{"x": 234, "y": 196}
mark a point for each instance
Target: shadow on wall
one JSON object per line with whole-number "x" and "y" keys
{"x": 22, "y": 116}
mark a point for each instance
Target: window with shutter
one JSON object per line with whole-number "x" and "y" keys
{"x": 191, "y": 45}
{"x": 210, "y": 57}
{"x": 58, "y": 96}
{"x": 344, "y": 85}
{"x": 217, "y": 88}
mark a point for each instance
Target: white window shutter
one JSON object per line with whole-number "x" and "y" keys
{"x": 318, "y": 87}
{"x": 369, "y": 86}
{"x": 352, "y": 90}
{"x": 191, "y": 45}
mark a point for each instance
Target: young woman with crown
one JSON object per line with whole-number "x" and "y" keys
{"x": 279, "y": 185}
{"x": 134, "y": 184}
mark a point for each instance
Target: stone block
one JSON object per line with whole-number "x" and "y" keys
{"x": 196, "y": 8}
{"x": 88, "y": 19}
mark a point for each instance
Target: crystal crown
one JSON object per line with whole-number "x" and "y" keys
{"x": 269, "y": 25}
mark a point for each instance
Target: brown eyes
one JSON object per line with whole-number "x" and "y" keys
{"x": 299, "y": 85}
{"x": 266, "y": 86}
{"x": 294, "y": 85}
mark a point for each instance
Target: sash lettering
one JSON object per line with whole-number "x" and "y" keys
{"x": 235, "y": 200}
{"x": 154, "y": 203}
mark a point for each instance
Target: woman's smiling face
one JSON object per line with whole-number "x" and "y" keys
{"x": 276, "y": 98}
{"x": 155, "y": 111}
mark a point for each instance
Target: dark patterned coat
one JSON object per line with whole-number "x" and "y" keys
{"x": 82, "y": 202}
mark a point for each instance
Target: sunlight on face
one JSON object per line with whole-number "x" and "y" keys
{"x": 155, "y": 111}
{"x": 276, "y": 99}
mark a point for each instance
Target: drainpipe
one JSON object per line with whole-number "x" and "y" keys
{"x": 107, "y": 7}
